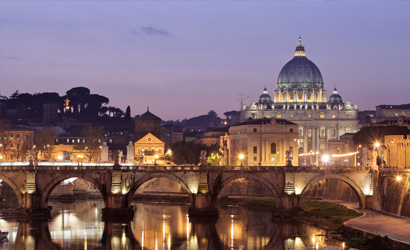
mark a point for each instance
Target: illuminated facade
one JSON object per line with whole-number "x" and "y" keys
{"x": 149, "y": 150}
{"x": 300, "y": 97}
{"x": 260, "y": 142}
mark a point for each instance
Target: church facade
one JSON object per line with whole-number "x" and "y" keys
{"x": 300, "y": 97}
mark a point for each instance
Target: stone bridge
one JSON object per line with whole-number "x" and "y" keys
{"x": 118, "y": 183}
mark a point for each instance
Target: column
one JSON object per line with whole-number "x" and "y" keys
{"x": 295, "y": 96}
{"x": 305, "y": 140}
{"x": 313, "y": 139}
{"x": 320, "y": 96}
{"x": 304, "y": 95}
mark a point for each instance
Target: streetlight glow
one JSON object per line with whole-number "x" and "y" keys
{"x": 398, "y": 178}
{"x": 325, "y": 158}
{"x": 377, "y": 144}
{"x": 241, "y": 156}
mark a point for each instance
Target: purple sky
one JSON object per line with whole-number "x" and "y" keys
{"x": 184, "y": 58}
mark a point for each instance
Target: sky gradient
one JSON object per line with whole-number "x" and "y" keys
{"x": 184, "y": 58}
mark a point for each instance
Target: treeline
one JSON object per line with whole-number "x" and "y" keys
{"x": 82, "y": 105}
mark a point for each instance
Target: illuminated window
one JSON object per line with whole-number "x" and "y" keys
{"x": 333, "y": 116}
{"x": 272, "y": 159}
{"x": 68, "y": 140}
{"x": 309, "y": 133}
{"x": 322, "y": 116}
{"x": 278, "y": 116}
{"x": 291, "y": 116}
{"x": 301, "y": 131}
{"x": 310, "y": 116}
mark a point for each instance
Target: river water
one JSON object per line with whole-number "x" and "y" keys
{"x": 79, "y": 225}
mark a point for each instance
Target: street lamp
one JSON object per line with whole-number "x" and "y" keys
{"x": 155, "y": 159}
{"x": 398, "y": 178}
{"x": 241, "y": 157}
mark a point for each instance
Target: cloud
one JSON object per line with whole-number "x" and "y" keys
{"x": 11, "y": 57}
{"x": 152, "y": 31}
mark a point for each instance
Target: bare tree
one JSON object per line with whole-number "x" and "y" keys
{"x": 5, "y": 126}
{"x": 44, "y": 142}
{"x": 93, "y": 141}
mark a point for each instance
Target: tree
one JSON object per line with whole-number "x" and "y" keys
{"x": 5, "y": 126}
{"x": 93, "y": 141}
{"x": 190, "y": 152}
{"x": 44, "y": 142}
{"x": 128, "y": 114}
{"x": 367, "y": 136}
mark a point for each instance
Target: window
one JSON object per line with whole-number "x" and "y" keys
{"x": 279, "y": 116}
{"x": 26, "y": 137}
{"x": 255, "y": 158}
{"x": 291, "y": 116}
{"x": 273, "y": 159}
{"x": 333, "y": 116}
{"x": 139, "y": 151}
{"x": 18, "y": 136}
{"x": 301, "y": 131}
{"x": 68, "y": 140}
{"x": 347, "y": 129}
{"x": 310, "y": 116}
{"x": 160, "y": 151}
{"x": 273, "y": 148}
{"x": 291, "y": 130}
{"x": 322, "y": 116}
{"x": 255, "y": 150}
{"x": 255, "y": 130}
{"x": 57, "y": 140}
{"x": 309, "y": 133}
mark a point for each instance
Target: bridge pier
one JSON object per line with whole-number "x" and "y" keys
{"x": 31, "y": 207}
{"x": 290, "y": 206}
{"x": 117, "y": 207}
{"x": 203, "y": 206}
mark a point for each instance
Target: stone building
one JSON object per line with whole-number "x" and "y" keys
{"x": 15, "y": 143}
{"x": 260, "y": 142}
{"x": 300, "y": 97}
{"x": 149, "y": 150}
{"x": 147, "y": 123}
{"x": 396, "y": 151}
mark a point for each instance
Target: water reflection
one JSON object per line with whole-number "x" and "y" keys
{"x": 157, "y": 226}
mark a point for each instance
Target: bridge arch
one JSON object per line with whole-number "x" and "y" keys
{"x": 48, "y": 189}
{"x": 147, "y": 177}
{"x": 266, "y": 182}
{"x": 15, "y": 188}
{"x": 348, "y": 181}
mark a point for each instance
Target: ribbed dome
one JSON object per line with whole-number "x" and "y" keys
{"x": 265, "y": 98}
{"x": 335, "y": 97}
{"x": 300, "y": 72}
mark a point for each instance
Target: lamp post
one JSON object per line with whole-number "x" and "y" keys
{"x": 325, "y": 160}
{"x": 155, "y": 159}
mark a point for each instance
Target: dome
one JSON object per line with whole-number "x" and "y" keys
{"x": 335, "y": 97}
{"x": 300, "y": 72}
{"x": 265, "y": 98}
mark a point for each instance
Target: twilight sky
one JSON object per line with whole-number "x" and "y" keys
{"x": 184, "y": 58}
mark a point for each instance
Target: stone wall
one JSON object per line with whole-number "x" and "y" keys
{"x": 396, "y": 196}
{"x": 332, "y": 189}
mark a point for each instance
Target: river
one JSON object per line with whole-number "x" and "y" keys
{"x": 79, "y": 225}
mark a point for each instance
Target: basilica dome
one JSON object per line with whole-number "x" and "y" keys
{"x": 335, "y": 97}
{"x": 300, "y": 72}
{"x": 265, "y": 98}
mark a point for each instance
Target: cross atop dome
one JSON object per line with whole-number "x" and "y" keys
{"x": 300, "y": 50}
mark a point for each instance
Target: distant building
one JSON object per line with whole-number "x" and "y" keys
{"x": 171, "y": 134}
{"x": 212, "y": 136}
{"x": 147, "y": 123}
{"x": 149, "y": 150}
{"x": 15, "y": 143}
{"x": 300, "y": 97}
{"x": 393, "y": 111}
{"x": 260, "y": 142}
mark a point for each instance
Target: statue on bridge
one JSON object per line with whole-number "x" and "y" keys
{"x": 289, "y": 157}
{"x": 118, "y": 157}
{"x": 202, "y": 158}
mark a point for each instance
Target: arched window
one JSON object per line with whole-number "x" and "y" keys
{"x": 273, "y": 148}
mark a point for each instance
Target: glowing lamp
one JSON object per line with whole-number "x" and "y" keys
{"x": 398, "y": 178}
{"x": 325, "y": 158}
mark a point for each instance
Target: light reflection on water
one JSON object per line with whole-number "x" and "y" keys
{"x": 158, "y": 226}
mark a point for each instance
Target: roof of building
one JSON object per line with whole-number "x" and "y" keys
{"x": 401, "y": 106}
{"x": 265, "y": 98}
{"x": 335, "y": 97}
{"x": 264, "y": 121}
{"x": 300, "y": 72}
{"x": 147, "y": 116}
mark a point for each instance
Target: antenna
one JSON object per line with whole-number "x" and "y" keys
{"x": 243, "y": 97}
